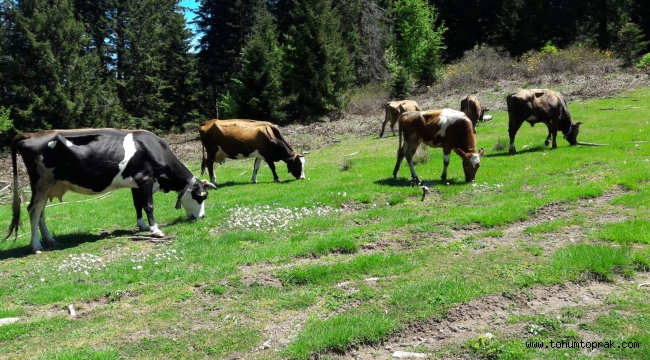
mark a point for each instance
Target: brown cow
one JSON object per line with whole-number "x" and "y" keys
{"x": 448, "y": 129}
{"x": 393, "y": 110}
{"x": 545, "y": 106}
{"x": 473, "y": 109}
{"x": 238, "y": 139}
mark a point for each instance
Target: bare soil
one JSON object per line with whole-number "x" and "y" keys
{"x": 487, "y": 314}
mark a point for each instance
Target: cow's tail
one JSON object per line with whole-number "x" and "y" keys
{"x": 15, "y": 207}
{"x": 204, "y": 157}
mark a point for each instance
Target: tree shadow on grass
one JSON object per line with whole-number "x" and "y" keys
{"x": 531, "y": 149}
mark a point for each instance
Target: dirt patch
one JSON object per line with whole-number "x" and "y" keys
{"x": 490, "y": 314}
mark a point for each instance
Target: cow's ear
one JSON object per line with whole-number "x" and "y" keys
{"x": 460, "y": 153}
{"x": 578, "y": 123}
{"x": 481, "y": 152}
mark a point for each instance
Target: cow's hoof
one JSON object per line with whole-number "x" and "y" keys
{"x": 51, "y": 243}
{"x": 37, "y": 251}
{"x": 254, "y": 181}
{"x": 157, "y": 234}
{"x": 546, "y": 143}
{"x": 277, "y": 180}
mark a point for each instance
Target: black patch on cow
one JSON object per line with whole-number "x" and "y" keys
{"x": 92, "y": 165}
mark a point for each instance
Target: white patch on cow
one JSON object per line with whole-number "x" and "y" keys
{"x": 254, "y": 154}
{"x": 448, "y": 117}
{"x": 142, "y": 226}
{"x": 69, "y": 143}
{"x": 475, "y": 160}
{"x": 52, "y": 144}
{"x": 193, "y": 208}
{"x": 302, "y": 167}
{"x": 119, "y": 181}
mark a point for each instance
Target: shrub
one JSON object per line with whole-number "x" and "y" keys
{"x": 644, "y": 61}
{"x": 549, "y": 48}
{"x": 630, "y": 42}
{"x": 6, "y": 126}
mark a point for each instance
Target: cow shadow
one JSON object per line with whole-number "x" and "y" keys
{"x": 405, "y": 182}
{"x": 226, "y": 184}
{"x": 65, "y": 241}
{"x": 531, "y": 149}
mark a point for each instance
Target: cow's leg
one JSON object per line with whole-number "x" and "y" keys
{"x": 409, "y": 152}
{"x": 272, "y": 167}
{"x": 383, "y": 126}
{"x": 553, "y": 134}
{"x": 209, "y": 162}
{"x": 400, "y": 157}
{"x": 512, "y": 131}
{"x": 256, "y": 166}
{"x": 138, "y": 202}
{"x": 146, "y": 189}
{"x": 35, "y": 210}
{"x": 445, "y": 161}
{"x": 45, "y": 232}
{"x": 548, "y": 138}
{"x": 392, "y": 128}
{"x": 474, "y": 123}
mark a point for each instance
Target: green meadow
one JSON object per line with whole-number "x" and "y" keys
{"x": 349, "y": 256}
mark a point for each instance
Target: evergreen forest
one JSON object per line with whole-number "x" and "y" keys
{"x": 136, "y": 64}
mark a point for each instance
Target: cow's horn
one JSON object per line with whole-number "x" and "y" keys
{"x": 590, "y": 144}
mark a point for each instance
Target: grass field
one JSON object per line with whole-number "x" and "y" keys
{"x": 350, "y": 258}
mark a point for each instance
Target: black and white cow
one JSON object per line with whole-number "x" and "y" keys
{"x": 95, "y": 161}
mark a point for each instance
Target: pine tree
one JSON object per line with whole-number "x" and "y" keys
{"x": 630, "y": 43}
{"x": 318, "y": 71}
{"x": 418, "y": 42}
{"x": 257, "y": 87}
{"x": 225, "y": 25}
{"x": 366, "y": 31}
{"x": 50, "y": 81}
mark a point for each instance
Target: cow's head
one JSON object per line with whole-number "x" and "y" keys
{"x": 296, "y": 166}
{"x": 193, "y": 196}
{"x": 471, "y": 163}
{"x": 572, "y": 135}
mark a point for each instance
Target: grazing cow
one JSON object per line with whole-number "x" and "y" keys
{"x": 448, "y": 129}
{"x": 473, "y": 109}
{"x": 238, "y": 139}
{"x": 393, "y": 110}
{"x": 545, "y": 106}
{"x": 95, "y": 161}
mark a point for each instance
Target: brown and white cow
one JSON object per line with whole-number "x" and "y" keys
{"x": 473, "y": 109}
{"x": 545, "y": 106}
{"x": 393, "y": 110}
{"x": 239, "y": 139}
{"x": 95, "y": 161}
{"x": 446, "y": 128}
